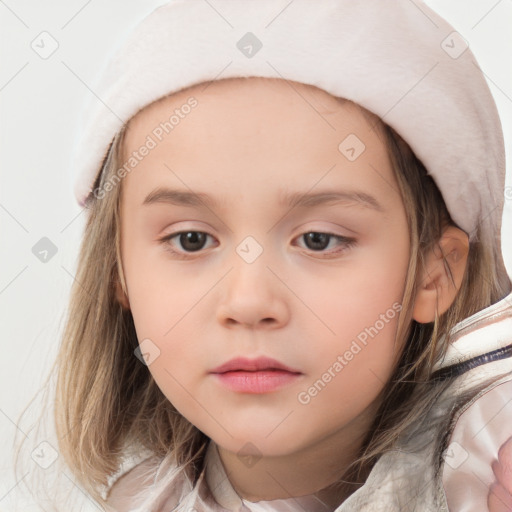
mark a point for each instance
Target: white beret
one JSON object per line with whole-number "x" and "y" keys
{"x": 397, "y": 58}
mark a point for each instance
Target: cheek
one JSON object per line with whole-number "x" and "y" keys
{"x": 364, "y": 347}
{"x": 161, "y": 295}
{"x": 164, "y": 307}
{"x": 356, "y": 348}
{"x": 349, "y": 371}
{"x": 364, "y": 296}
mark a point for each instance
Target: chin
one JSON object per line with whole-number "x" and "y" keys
{"x": 252, "y": 444}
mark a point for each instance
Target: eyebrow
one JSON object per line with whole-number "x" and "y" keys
{"x": 287, "y": 199}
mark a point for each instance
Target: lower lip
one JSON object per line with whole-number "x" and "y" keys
{"x": 262, "y": 381}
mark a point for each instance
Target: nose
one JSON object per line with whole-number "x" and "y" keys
{"x": 253, "y": 297}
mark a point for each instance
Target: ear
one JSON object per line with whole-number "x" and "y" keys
{"x": 437, "y": 289}
{"x": 121, "y": 296}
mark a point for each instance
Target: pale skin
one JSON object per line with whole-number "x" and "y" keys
{"x": 242, "y": 145}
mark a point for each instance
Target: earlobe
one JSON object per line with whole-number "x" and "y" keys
{"x": 442, "y": 275}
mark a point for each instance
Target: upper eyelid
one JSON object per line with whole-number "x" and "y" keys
{"x": 326, "y": 232}
{"x": 170, "y": 236}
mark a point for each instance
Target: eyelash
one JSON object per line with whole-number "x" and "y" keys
{"x": 345, "y": 241}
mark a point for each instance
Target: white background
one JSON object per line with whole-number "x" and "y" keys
{"x": 40, "y": 104}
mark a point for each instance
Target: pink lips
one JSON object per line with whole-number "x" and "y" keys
{"x": 259, "y": 375}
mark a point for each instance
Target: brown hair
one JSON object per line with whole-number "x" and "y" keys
{"x": 107, "y": 400}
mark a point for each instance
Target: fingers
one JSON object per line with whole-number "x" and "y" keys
{"x": 503, "y": 468}
{"x": 500, "y": 493}
{"x": 499, "y": 500}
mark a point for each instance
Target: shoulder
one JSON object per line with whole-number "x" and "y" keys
{"x": 121, "y": 494}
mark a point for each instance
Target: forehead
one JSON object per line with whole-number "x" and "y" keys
{"x": 253, "y": 89}
{"x": 258, "y": 101}
{"x": 248, "y": 130}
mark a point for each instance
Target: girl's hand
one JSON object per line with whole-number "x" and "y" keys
{"x": 500, "y": 493}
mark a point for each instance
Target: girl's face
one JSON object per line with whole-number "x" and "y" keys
{"x": 295, "y": 247}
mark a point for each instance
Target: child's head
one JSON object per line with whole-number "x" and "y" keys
{"x": 248, "y": 176}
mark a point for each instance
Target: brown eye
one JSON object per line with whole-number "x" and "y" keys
{"x": 186, "y": 241}
{"x": 192, "y": 240}
{"x": 318, "y": 241}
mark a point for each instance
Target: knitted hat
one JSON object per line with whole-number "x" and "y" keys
{"x": 397, "y": 58}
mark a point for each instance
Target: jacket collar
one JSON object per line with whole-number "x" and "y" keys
{"x": 487, "y": 330}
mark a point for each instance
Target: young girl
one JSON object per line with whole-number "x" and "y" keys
{"x": 290, "y": 293}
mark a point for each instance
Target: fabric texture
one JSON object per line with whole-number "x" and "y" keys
{"x": 397, "y": 58}
{"x": 482, "y": 428}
